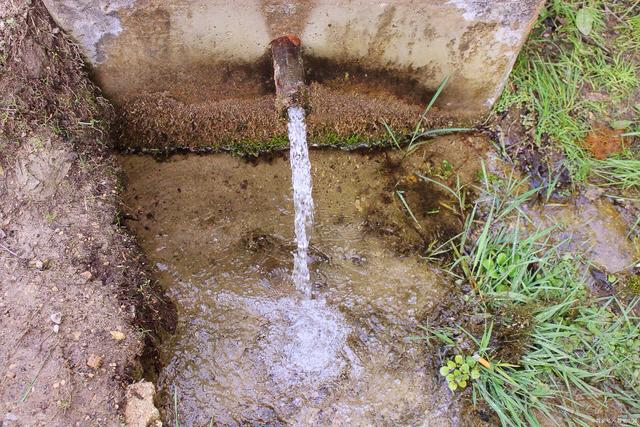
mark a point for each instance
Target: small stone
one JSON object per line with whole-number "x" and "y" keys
{"x": 76, "y": 335}
{"x": 56, "y": 318}
{"x": 56, "y": 329}
{"x": 139, "y": 409}
{"x": 54, "y": 289}
{"x": 94, "y": 361}
{"x": 37, "y": 264}
{"x": 56, "y": 385}
{"x": 86, "y": 275}
{"x": 117, "y": 335}
{"x": 10, "y": 375}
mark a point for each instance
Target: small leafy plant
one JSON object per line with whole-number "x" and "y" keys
{"x": 459, "y": 371}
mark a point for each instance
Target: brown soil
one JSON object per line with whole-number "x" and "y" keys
{"x": 544, "y": 163}
{"x": 74, "y": 299}
{"x": 603, "y": 141}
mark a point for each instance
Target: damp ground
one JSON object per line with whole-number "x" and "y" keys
{"x": 248, "y": 347}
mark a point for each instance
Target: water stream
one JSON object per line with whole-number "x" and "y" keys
{"x": 302, "y": 197}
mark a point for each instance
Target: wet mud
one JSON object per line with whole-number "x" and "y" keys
{"x": 591, "y": 225}
{"x": 248, "y": 348}
{"x": 592, "y": 222}
{"x": 69, "y": 275}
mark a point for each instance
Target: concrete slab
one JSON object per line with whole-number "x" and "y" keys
{"x": 405, "y": 47}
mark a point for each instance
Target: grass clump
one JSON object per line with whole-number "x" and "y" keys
{"x": 565, "y": 355}
{"x": 420, "y": 135}
{"x": 580, "y": 69}
{"x": 622, "y": 170}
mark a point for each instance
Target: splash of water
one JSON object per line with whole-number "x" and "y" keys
{"x": 302, "y": 197}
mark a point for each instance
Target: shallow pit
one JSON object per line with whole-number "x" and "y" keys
{"x": 248, "y": 348}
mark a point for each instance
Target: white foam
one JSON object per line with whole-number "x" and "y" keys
{"x": 302, "y": 197}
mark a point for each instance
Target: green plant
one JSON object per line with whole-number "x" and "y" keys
{"x": 445, "y": 170}
{"x": 621, "y": 171}
{"x": 64, "y": 405}
{"x": 459, "y": 371}
{"x": 576, "y": 353}
{"x": 577, "y": 69}
{"x": 50, "y": 217}
{"x": 420, "y": 135}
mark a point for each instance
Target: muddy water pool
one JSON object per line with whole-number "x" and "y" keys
{"x": 249, "y": 348}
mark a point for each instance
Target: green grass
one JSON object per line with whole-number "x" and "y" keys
{"x": 420, "y": 135}
{"x": 568, "y": 82}
{"x": 562, "y": 356}
{"x": 621, "y": 171}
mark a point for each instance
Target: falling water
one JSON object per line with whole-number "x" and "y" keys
{"x": 302, "y": 198}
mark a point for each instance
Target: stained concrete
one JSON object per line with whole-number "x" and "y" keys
{"x": 137, "y": 46}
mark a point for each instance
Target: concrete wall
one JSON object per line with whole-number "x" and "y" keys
{"x": 138, "y": 45}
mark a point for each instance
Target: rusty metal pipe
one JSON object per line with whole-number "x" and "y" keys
{"x": 288, "y": 72}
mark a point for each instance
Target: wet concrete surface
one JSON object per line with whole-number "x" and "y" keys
{"x": 249, "y": 349}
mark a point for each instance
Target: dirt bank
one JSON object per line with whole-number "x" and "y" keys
{"x": 76, "y": 308}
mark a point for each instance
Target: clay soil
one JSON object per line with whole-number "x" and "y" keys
{"x": 76, "y": 309}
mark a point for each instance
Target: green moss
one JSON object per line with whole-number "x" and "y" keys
{"x": 633, "y": 285}
{"x": 351, "y": 141}
{"x": 254, "y": 147}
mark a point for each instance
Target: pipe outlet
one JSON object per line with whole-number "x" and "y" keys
{"x": 288, "y": 72}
